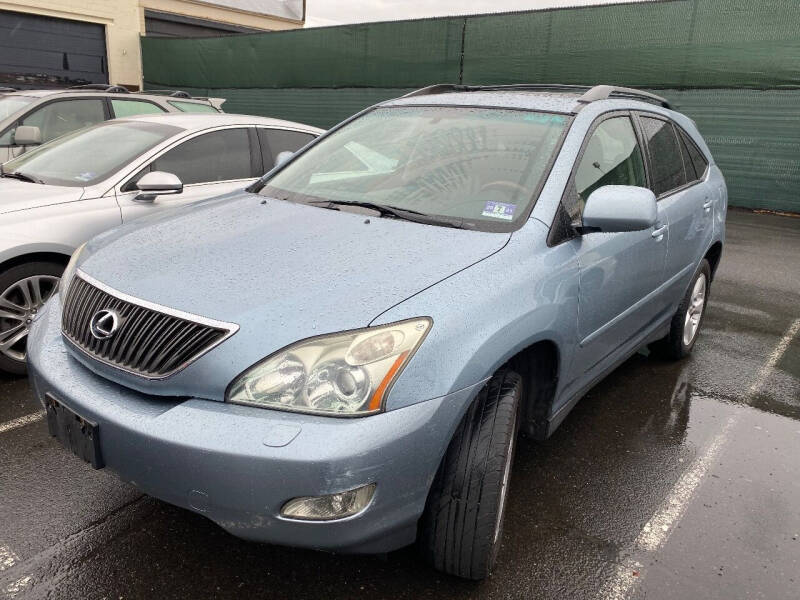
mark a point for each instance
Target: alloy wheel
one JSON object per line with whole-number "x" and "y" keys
{"x": 19, "y": 304}
{"x": 694, "y": 312}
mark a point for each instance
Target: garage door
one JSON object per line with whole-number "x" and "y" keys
{"x": 40, "y": 51}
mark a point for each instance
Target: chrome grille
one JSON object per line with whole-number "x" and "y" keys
{"x": 151, "y": 341}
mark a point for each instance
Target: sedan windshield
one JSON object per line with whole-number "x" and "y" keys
{"x": 90, "y": 155}
{"x": 10, "y": 105}
{"x": 478, "y": 168}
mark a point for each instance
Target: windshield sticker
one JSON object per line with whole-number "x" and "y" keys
{"x": 87, "y": 176}
{"x": 499, "y": 210}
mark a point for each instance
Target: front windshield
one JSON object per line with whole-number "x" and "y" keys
{"x": 88, "y": 156}
{"x": 482, "y": 166}
{"x": 10, "y": 105}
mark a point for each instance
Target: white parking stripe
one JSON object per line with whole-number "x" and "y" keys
{"x": 658, "y": 529}
{"x": 17, "y": 586}
{"x": 776, "y": 355}
{"x": 21, "y": 421}
{"x": 8, "y": 558}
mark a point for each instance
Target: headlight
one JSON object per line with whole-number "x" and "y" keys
{"x": 344, "y": 374}
{"x": 69, "y": 272}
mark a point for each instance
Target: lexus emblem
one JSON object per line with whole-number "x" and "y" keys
{"x": 104, "y": 324}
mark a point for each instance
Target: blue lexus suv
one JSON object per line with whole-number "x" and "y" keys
{"x": 343, "y": 355}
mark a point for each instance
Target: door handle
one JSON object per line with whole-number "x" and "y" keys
{"x": 707, "y": 205}
{"x": 659, "y": 233}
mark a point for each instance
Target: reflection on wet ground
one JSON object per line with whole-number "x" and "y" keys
{"x": 669, "y": 480}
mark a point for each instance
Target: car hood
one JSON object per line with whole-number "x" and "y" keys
{"x": 22, "y": 195}
{"x": 281, "y": 271}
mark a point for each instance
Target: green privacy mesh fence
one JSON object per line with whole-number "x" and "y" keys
{"x": 697, "y": 51}
{"x": 373, "y": 55}
{"x": 686, "y": 43}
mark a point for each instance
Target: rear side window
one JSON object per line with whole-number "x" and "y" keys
{"x": 217, "y": 156}
{"x": 666, "y": 163}
{"x": 611, "y": 157}
{"x": 57, "y": 118}
{"x": 128, "y": 108}
{"x": 193, "y": 107}
{"x": 696, "y": 163}
{"x": 275, "y": 141}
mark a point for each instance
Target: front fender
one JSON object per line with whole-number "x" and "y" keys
{"x": 488, "y": 313}
{"x": 10, "y": 250}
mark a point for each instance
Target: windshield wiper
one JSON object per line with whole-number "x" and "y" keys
{"x": 405, "y": 214}
{"x": 22, "y": 177}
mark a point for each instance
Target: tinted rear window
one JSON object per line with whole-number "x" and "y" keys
{"x": 665, "y": 155}
{"x": 695, "y": 161}
{"x": 275, "y": 141}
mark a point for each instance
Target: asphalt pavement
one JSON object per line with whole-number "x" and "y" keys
{"x": 668, "y": 481}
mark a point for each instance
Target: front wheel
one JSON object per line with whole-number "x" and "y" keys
{"x": 23, "y": 291}
{"x": 460, "y": 532}
{"x": 686, "y": 323}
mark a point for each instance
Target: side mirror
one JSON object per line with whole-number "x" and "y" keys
{"x": 27, "y": 135}
{"x": 618, "y": 208}
{"x": 283, "y": 157}
{"x": 157, "y": 183}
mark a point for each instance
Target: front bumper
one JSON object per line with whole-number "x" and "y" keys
{"x": 238, "y": 465}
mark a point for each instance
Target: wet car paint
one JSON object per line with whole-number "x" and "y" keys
{"x": 578, "y": 506}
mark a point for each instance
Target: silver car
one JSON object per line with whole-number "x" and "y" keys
{"x": 48, "y": 114}
{"x": 54, "y": 198}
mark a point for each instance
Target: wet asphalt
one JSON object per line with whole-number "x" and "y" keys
{"x": 669, "y": 480}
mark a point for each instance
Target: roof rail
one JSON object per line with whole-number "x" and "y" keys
{"x": 447, "y": 88}
{"x": 590, "y": 94}
{"x": 101, "y": 87}
{"x": 171, "y": 93}
{"x": 603, "y": 92}
{"x": 9, "y": 89}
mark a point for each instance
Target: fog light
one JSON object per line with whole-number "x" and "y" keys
{"x": 327, "y": 508}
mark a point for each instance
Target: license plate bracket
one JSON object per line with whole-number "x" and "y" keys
{"x": 75, "y": 432}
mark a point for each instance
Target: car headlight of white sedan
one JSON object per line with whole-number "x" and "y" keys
{"x": 342, "y": 374}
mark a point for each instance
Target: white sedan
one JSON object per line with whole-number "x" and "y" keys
{"x": 59, "y": 195}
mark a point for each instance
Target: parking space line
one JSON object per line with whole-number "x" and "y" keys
{"x": 776, "y": 355}
{"x": 8, "y": 558}
{"x": 22, "y": 421}
{"x": 660, "y": 526}
{"x": 14, "y": 588}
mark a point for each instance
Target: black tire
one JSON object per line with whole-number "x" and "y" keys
{"x": 461, "y": 529}
{"x": 8, "y": 279}
{"x": 674, "y": 345}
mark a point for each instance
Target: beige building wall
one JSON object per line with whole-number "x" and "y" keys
{"x": 124, "y": 23}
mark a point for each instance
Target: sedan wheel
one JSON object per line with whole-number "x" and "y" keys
{"x": 19, "y": 304}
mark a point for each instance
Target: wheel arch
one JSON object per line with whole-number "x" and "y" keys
{"x": 539, "y": 366}
{"x": 21, "y": 259}
{"x": 713, "y": 256}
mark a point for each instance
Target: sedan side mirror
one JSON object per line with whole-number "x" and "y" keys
{"x": 618, "y": 208}
{"x": 283, "y": 157}
{"x": 27, "y": 135}
{"x": 157, "y": 183}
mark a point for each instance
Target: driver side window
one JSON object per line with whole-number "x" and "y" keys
{"x": 611, "y": 157}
